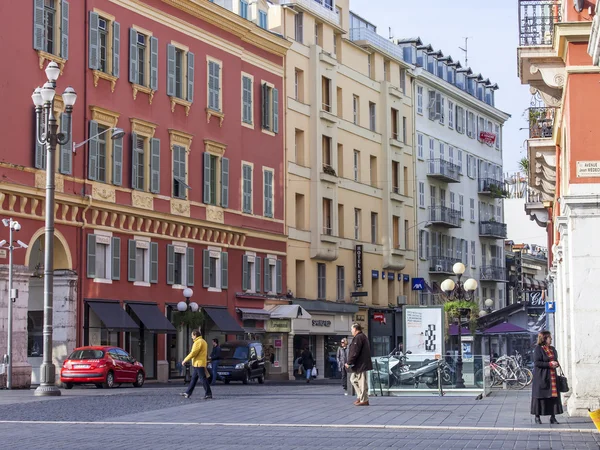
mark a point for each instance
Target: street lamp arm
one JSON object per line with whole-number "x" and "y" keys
{"x": 118, "y": 133}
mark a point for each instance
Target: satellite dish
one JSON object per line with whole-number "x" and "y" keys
{"x": 578, "y": 5}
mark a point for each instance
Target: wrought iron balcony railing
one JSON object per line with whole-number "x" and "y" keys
{"x": 443, "y": 170}
{"x": 492, "y": 273}
{"x": 379, "y": 42}
{"x": 492, "y": 229}
{"x": 541, "y": 122}
{"x": 536, "y": 21}
{"x": 492, "y": 187}
{"x": 442, "y": 264}
{"x": 444, "y": 216}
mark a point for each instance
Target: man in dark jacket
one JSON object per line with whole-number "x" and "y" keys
{"x": 215, "y": 357}
{"x": 359, "y": 363}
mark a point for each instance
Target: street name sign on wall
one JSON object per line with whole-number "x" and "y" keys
{"x": 588, "y": 169}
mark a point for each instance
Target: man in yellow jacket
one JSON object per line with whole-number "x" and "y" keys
{"x": 198, "y": 357}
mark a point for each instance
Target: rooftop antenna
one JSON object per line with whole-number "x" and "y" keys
{"x": 391, "y": 35}
{"x": 466, "y": 51}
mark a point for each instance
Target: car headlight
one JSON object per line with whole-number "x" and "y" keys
{"x": 240, "y": 366}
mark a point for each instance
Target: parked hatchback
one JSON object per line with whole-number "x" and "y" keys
{"x": 241, "y": 361}
{"x": 103, "y": 366}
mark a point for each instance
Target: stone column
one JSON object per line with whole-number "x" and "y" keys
{"x": 291, "y": 357}
{"x": 320, "y": 355}
{"x": 21, "y": 369}
{"x": 65, "y": 317}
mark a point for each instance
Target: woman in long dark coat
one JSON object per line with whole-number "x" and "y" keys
{"x": 545, "y": 398}
{"x": 308, "y": 362}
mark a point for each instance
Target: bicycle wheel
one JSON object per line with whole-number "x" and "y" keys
{"x": 522, "y": 379}
{"x": 529, "y": 375}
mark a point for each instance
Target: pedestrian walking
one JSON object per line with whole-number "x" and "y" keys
{"x": 342, "y": 359}
{"x": 215, "y": 357}
{"x": 198, "y": 358}
{"x": 545, "y": 398}
{"x": 359, "y": 363}
{"x": 308, "y": 362}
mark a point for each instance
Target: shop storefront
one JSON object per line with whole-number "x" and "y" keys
{"x": 385, "y": 330}
{"x": 275, "y": 344}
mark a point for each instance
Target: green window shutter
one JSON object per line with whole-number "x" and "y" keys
{"x": 206, "y": 177}
{"x": 64, "y": 30}
{"x": 153, "y": 63}
{"x": 38, "y": 24}
{"x": 247, "y": 99}
{"x": 94, "y": 42}
{"x": 275, "y": 111}
{"x": 182, "y": 171}
{"x": 217, "y": 87}
{"x": 265, "y": 106}
{"x": 224, "y": 270}
{"x": 133, "y": 56}
{"x": 190, "y": 76}
{"x": 170, "y": 70}
{"x": 40, "y": 155}
{"x": 131, "y": 261}
{"x": 91, "y": 256}
{"x": 153, "y": 262}
{"x": 155, "y": 166}
{"x": 133, "y": 162}
{"x": 116, "y": 49}
{"x": 117, "y": 155}
{"x": 93, "y": 149}
{"x": 205, "y": 268}
{"x": 268, "y": 200}
{"x": 278, "y": 282}
{"x": 245, "y": 274}
{"x": 257, "y": 280}
{"x": 190, "y": 266}
{"x": 246, "y": 189}
{"x": 268, "y": 283}
{"x": 225, "y": 182}
{"x": 116, "y": 258}
{"x": 176, "y": 169}
{"x": 170, "y": 264}
{"x": 66, "y": 150}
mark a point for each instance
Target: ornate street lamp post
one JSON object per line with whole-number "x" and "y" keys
{"x": 47, "y": 134}
{"x": 183, "y": 307}
{"x": 459, "y": 291}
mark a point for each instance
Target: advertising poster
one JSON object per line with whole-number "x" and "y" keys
{"x": 424, "y": 330}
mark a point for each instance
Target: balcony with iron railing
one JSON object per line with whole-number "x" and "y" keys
{"x": 541, "y": 122}
{"x": 536, "y": 21}
{"x": 442, "y": 264}
{"x": 371, "y": 38}
{"x": 492, "y": 187}
{"x": 491, "y": 228}
{"x": 492, "y": 273}
{"x": 323, "y": 8}
{"x": 443, "y": 170}
{"x": 442, "y": 215}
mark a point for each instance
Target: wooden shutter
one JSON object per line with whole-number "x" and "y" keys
{"x": 205, "y": 268}
{"x": 131, "y": 261}
{"x": 155, "y": 166}
{"x": 133, "y": 56}
{"x": 225, "y": 182}
{"x": 245, "y": 274}
{"x": 116, "y": 49}
{"x": 265, "y": 105}
{"x": 38, "y": 24}
{"x": 153, "y": 262}
{"x": 268, "y": 283}
{"x": 246, "y": 189}
{"x": 190, "y": 76}
{"x": 94, "y": 42}
{"x": 40, "y": 155}
{"x": 275, "y": 111}
{"x": 66, "y": 150}
{"x": 153, "y": 63}
{"x": 206, "y": 177}
{"x": 170, "y": 264}
{"x": 64, "y": 29}
{"x": 268, "y": 200}
{"x": 133, "y": 162}
{"x": 211, "y": 85}
{"x": 176, "y": 171}
{"x": 278, "y": 268}
{"x": 189, "y": 259}
{"x": 93, "y": 149}
{"x": 91, "y": 256}
{"x": 217, "y": 84}
{"x": 257, "y": 268}
{"x": 224, "y": 270}
{"x": 116, "y": 258}
{"x": 117, "y": 156}
{"x": 171, "y": 70}
{"x": 247, "y": 99}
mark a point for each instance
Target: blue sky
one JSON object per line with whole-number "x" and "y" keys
{"x": 492, "y": 28}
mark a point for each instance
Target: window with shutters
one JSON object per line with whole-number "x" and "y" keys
{"x": 251, "y": 272}
{"x": 138, "y": 163}
{"x": 270, "y": 107}
{"x": 247, "y": 169}
{"x": 357, "y": 219}
{"x": 180, "y": 75}
{"x": 321, "y": 281}
{"x": 472, "y": 209}
{"x": 104, "y": 47}
{"x": 263, "y": 20}
{"x": 244, "y": 9}
{"x": 268, "y": 177}
{"x": 450, "y": 114}
{"x": 51, "y": 30}
{"x": 421, "y": 194}
{"x": 420, "y": 100}
{"x": 145, "y": 157}
{"x": 105, "y": 155}
{"x": 272, "y": 274}
{"x": 101, "y": 153}
{"x": 341, "y": 283}
{"x": 372, "y": 116}
{"x": 374, "y": 228}
{"x": 355, "y": 109}
{"x": 142, "y": 261}
{"x": 299, "y": 27}
{"x": 143, "y": 61}
{"x": 103, "y": 257}
{"x": 180, "y": 265}
{"x": 211, "y": 165}
{"x": 216, "y": 175}
{"x": 180, "y": 143}
{"x": 214, "y": 76}
{"x": 215, "y": 270}
{"x": 247, "y": 100}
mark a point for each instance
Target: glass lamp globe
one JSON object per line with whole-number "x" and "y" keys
{"x": 458, "y": 268}
{"x": 470, "y": 285}
{"x": 181, "y": 306}
{"x": 489, "y": 303}
{"x": 37, "y": 97}
{"x": 47, "y": 92}
{"x": 448, "y": 285}
{"x": 194, "y": 307}
{"x": 52, "y": 71}
{"x": 69, "y": 96}
{"x": 187, "y": 293}
{"x": 482, "y": 313}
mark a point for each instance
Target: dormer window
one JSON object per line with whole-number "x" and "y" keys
{"x": 420, "y": 56}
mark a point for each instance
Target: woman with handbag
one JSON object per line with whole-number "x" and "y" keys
{"x": 308, "y": 362}
{"x": 545, "y": 395}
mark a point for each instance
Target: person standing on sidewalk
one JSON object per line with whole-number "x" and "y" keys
{"x": 198, "y": 358}
{"x": 215, "y": 357}
{"x": 359, "y": 363}
{"x": 342, "y": 359}
{"x": 545, "y": 398}
{"x": 308, "y": 362}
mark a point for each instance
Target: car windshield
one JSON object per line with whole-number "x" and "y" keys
{"x": 87, "y": 354}
{"x": 240, "y": 353}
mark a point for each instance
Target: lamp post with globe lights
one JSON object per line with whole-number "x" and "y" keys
{"x": 182, "y": 307}
{"x": 46, "y": 133}
{"x": 459, "y": 291}
{"x": 489, "y": 303}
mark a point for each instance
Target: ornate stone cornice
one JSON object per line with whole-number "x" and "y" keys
{"x": 143, "y": 127}
{"x": 180, "y": 138}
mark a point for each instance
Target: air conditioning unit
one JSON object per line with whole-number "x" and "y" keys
{"x": 401, "y": 300}
{"x": 439, "y": 268}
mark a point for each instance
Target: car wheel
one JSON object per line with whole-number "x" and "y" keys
{"x": 226, "y": 381}
{"x": 110, "y": 381}
{"x": 68, "y": 385}
{"x": 261, "y": 379}
{"x": 246, "y": 379}
{"x": 139, "y": 379}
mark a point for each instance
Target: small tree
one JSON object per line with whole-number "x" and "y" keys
{"x": 524, "y": 165}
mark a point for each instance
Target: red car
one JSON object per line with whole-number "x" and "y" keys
{"x": 102, "y": 366}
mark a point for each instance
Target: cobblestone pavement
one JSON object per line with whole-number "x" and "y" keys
{"x": 278, "y": 416}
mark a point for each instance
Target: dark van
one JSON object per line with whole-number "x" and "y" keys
{"x": 241, "y": 361}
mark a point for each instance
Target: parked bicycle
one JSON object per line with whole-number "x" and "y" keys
{"x": 506, "y": 369}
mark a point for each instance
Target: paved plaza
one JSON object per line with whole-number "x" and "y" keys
{"x": 283, "y": 416}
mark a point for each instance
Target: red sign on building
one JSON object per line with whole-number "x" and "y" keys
{"x": 487, "y": 137}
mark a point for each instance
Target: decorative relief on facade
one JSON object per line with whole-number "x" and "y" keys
{"x": 138, "y": 88}
{"x": 40, "y": 181}
{"x": 104, "y": 116}
{"x": 215, "y": 214}
{"x": 142, "y": 200}
{"x": 104, "y": 193}
{"x": 143, "y": 127}
{"x": 180, "y": 138}
{"x": 210, "y": 113}
{"x": 98, "y": 74}
{"x": 177, "y": 101}
{"x": 216, "y": 148}
{"x": 180, "y": 208}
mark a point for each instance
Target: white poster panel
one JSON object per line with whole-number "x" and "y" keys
{"x": 424, "y": 330}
